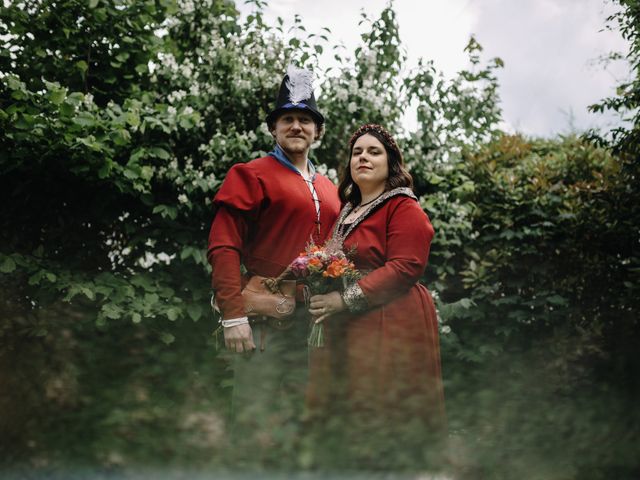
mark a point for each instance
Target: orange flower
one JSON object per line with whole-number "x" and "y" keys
{"x": 335, "y": 269}
{"x": 315, "y": 262}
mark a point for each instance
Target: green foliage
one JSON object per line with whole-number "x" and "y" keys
{"x": 102, "y": 47}
{"x": 626, "y": 102}
{"x": 116, "y": 183}
{"x": 537, "y": 244}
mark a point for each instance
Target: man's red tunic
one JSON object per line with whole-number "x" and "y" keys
{"x": 264, "y": 217}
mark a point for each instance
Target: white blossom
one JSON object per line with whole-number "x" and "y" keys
{"x": 341, "y": 94}
{"x": 353, "y": 85}
{"x": 264, "y": 128}
{"x": 187, "y": 6}
{"x": 186, "y": 70}
{"x": 372, "y": 57}
{"x": 168, "y": 61}
{"x": 176, "y": 96}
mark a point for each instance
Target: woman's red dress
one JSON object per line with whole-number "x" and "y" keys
{"x": 380, "y": 367}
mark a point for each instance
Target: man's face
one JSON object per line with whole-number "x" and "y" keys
{"x": 295, "y": 131}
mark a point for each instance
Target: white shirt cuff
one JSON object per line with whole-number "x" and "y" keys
{"x": 234, "y": 322}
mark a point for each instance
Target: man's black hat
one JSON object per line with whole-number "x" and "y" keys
{"x": 296, "y": 93}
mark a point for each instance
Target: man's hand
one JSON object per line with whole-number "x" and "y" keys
{"x": 239, "y": 338}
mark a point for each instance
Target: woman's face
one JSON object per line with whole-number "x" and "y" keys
{"x": 369, "y": 163}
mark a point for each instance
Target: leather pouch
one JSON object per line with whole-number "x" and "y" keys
{"x": 259, "y": 300}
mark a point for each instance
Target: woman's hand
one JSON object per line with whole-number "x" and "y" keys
{"x": 323, "y": 306}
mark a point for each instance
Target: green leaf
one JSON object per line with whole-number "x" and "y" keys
{"x": 66, "y": 109}
{"x": 7, "y": 265}
{"x": 105, "y": 169}
{"x": 142, "y": 281}
{"x": 82, "y": 66}
{"x": 57, "y": 96}
{"x": 103, "y": 290}
{"x": 85, "y": 119}
{"x": 136, "y": 317}
{"x": 186, "y": 122}
{"x": 146, "y": 173}
{"x": 557, "y": 300}
{"x": 35, "y": 278}
{"x": 91, "y": 142}
{"x": 172, "y": 314}
{"x": 151, "y": 298}
{"x": 227, "y": 383}
{"x": 137, "y": 155}
{"x": 160, "y": 153}
{"x": 88, "y": 292}
{"x": 466, "y": 303}
{"x": 25, "y": 122}
{"x": 166, "y": 211}
{"x": 133, "y": 119}
{"x": 132, "y": 173}
{"x": 195, "y": 311}
{"x": 167, "y": 338}
{"x": 112, "y": 311}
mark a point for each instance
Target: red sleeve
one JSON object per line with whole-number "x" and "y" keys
{"x": 238, "y": 202}
{"x": 409, "y": 235}
{"x": 241, "y": 190}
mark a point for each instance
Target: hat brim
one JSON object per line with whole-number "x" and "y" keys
{"x": 317, "y": 116}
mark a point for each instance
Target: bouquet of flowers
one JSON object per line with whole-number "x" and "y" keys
{"x": 323, "y": 269}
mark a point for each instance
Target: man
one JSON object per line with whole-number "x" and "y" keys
{"x": 266, "y": 212}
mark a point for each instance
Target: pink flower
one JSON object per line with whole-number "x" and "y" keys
{"x": 299, "y": 266}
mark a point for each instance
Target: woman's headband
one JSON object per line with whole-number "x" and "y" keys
{"x": 379, "y": 129}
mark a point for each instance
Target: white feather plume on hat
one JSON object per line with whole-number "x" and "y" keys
{"x": 299, "y": 83}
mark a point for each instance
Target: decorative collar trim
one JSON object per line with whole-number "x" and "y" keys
{"x": 348, "y": 208}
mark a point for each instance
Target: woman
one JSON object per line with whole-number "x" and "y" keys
{"x": 381, "y": 364}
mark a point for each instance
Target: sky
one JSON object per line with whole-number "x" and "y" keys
{"x": 550, "y": 49}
